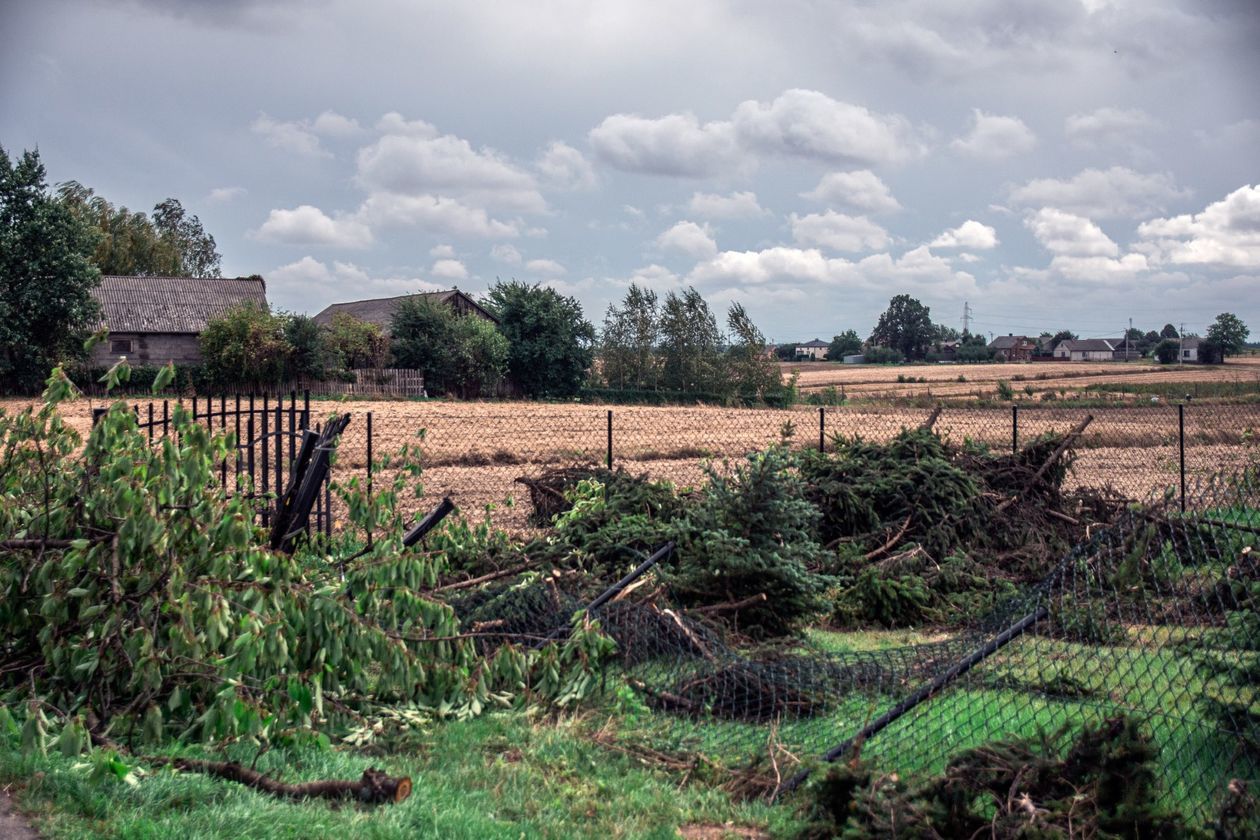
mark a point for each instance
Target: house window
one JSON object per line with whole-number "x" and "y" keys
{"x": 1185, "y": 354}
{"x": 120, "y": 345}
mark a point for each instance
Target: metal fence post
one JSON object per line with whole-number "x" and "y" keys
{"x": 822, "y": 429}
{"x": 1181, "y": 447}
{"x": 610, "y": 439}
{"x": 369, "y": 456}
{"x": 1014, "y": 430}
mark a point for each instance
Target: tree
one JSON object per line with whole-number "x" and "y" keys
{"x": 905, "y": 326}
{"x": 1169, "y": 331}
{"x": 355, "y": 344}
{"x": 1229, "y": 333}
{"x": 690, "y": 342}
{"x": 171, "y": 244}
{"x": 629, "y": 339}
{"x": 245, "y": 346}
{"x": 1167, "y": 351}
{"x": 550, "y": 343}
{"x": 458, "y": 358}
{"x": 846, "y": 344}
{"x": 479, "y": 354}
{"x": 1060, "y": 337}
{"x": 309, "y": 356}
{"x": 46, "y": 277}
{"x": 750, "y": 369}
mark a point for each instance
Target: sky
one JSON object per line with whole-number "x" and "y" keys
{"x": 1053, "y": 164}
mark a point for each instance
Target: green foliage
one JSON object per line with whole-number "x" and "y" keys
{"x": 356, "y": 344}
{"x": 749, "y": 369}
{"x": 1231, "y": 659}
{"x": 879, "y": 355}
{"x": 846, "y": 343}
{"x": 906, "y": 326}
{"x": 752, "y": 532}
{"x": 1004, "y": 391}
{"x": 628, "y": 341}
{"x": 171, "y": 244}
{"x": 550, "y": 342}
{"x": 1167, "y": 351}
{"x": 46, "y": 277}
{"x": 245, "y": 346}
{"x": 1104, "y": 783}
{"x": 689, "y": 344}
{"x": 460, "y": 355}
{"x": 308, "y": 356}
{"x": 139, "y": 594}
{"x": 1229, "y": 333}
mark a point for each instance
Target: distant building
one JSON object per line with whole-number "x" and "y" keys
{"x": 1086, "y": 350}
{"x": 815, "y": 350}
{"x": 855, "y": 359}
{"x": 380, "y": 311}
{"x": 155, "y": 320}
{"x": 1189, "y": 351}
{"x": 1013, "y": 348}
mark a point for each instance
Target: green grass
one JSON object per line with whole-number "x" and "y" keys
{"x": 500, "y": 775}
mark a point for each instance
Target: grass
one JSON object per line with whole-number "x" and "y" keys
{"x": 501, "y": 775}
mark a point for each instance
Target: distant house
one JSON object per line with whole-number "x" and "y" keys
{"x": 815, "y": 350}
{"x": 155, "y": 320}
{"x": 1189, "y": 349}
{"x": 1086, "y": 350}
{"x": 1013, "y": 348}
{"x": 1125, "y": 349}
{"x": 380, "y": 311}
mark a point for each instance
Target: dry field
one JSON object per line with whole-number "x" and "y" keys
{"x": 474, "y": 452}
{"x": 876, "y": 381}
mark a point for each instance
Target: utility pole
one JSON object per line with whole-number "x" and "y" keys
{"x": 1181, "y": 343}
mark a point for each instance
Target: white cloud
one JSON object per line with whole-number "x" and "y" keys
{"x": 223, "y": 195}
{"x": 993, "y": 136}
{"x": 1118, "y": 192}
{"x": 545, "y": 268}
{"x": 809, "y": 124}
{"x": 564, "y": 167}
{"x": 332, "y": 124}
{"x": 688, "y": 238}
{"x": 441, "y": 251}
{"x": 675, "y": 145}
{"x": 434, "y": 213}
{"x": 395, "y": 123}
{"x": 294, "y": 137}
{"x": 838, "y": 232}
{"x": 1069, "y": 234}
{"x": 1109, "y": 127}
{"x": 861, "y": 190}
{"x": 446, "y": 165}
{"x": 505, "y": 253}
{"x": 307, "y": 225}
{"x": 317, "y": 283}
{"x": 449, "y": 269}
{"x": 1225, "y": 233}
{"x": 655, "y": 277}
{"x": 970, "y": 234}
{"x": 735, "y": 205}
{"x": 1099, "y": 269}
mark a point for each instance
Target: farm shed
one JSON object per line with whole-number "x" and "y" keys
{"x": 1189, "y": 351}
{"x": 380, "y": 311}
{"x": 815, "y": 350}
{"x": 155, "y": 320}
{"x": 1086, "y": 350}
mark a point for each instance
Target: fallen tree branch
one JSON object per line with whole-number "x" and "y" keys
{"x": 926, "y": 425}
{"x": 486, "y": 578}
{"x": 896, "y": 538}
{"x": 1067, "y": 441}
{"x": 730, "y": 606}
{"x": 374, "y": 787}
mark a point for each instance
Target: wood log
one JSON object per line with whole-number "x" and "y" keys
{"x": 374, "y": 787}
{"x": 896, "y": 538}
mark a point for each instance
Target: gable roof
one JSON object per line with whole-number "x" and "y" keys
{"x": 1088, "y": 345}
{"x": 172, "y": 304}
{"x": 1008, "y": 342}
{"x": 380, "y": 311}
{"x": 817, "y": 342}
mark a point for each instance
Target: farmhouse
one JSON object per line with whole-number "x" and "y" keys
{"x": 815, "y": 350}
{"x": 1013, "y": 348}
{"x": 1086, "y": 350}
{"x": 155, "y": 320}
{"x": 1189, "y": 349}
{"x": 380, "y": 311}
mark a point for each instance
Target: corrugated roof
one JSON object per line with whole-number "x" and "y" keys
{"x": 380, "y": 311}
{"x": 172, "y": 304}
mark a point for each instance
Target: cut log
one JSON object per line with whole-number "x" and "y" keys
{"x": 374, "y": 788}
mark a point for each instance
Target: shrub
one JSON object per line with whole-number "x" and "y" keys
{"x": 883, "y": 356}
{"x": 1004, "y": 391}
{"x": 246, "y": 346}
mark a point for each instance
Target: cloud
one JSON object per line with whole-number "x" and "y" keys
{"x": 449, "y": 270}
{"x": 224, "y": 195}
{"x": 798, "y": 123}
{"x": 838, "y": 232}
{"x": 332, "y": 124}
{"x": 993, "y": 136}
{"x": 1244, "y": 134}
{"x": 1104, "y": 127}
{"x": 676, "y": 145}
{"x": 505, "y": 253}
{"x": 1225, "y": 233}
{"x": 1096, "y": 270}
{"x": 736, "y": 205}
{"x": 861, "y": 190}
{"x": 1070, "y": 234}
{"x": 446, "y": 165}
{"x": 690, "y": 239}
{"x": 970, "y": 234}
{"x": 1118, "y": 192}
{"x": 442, "y": 251}
{"x": 436, "y": 214}
{"x": 316, "y": 283}
{"x": 655, "y": 277}
{"x": 808, "y": 124}
{"x": 565, "y": 168}
{"x": 294, "y": 137}
{"x": 307, "y": 225}
{"x": 395, "y": 123}
{"x": 545, "y": 268}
